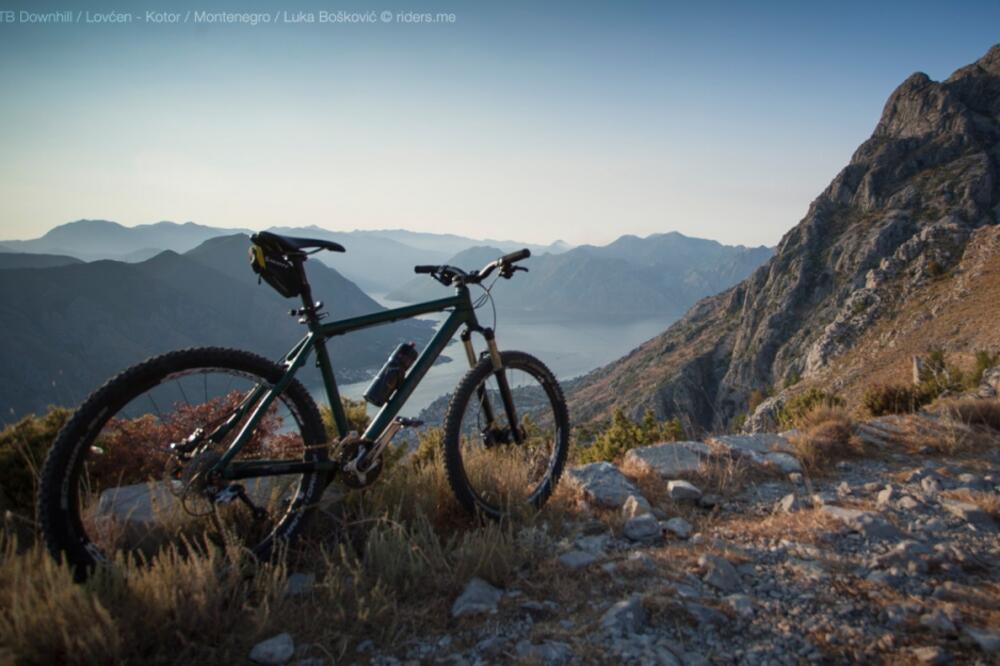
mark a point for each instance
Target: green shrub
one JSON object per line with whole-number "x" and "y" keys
{"x": 23, "y": 447}
{"x": 793, "y": 378}
{"x": 756, "y": 397}
{"x": 429, "y": 446}
{"x": 984, "y": 361}
{"x": 623, "y": 434}
{"x": 798, "y": 406}
{"x": 356, "y": 412}
{"x": 882, "y": 399}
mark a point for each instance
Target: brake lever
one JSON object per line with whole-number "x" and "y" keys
{"x": 507, "y": 272}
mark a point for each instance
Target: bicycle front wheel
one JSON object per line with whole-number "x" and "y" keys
{"x": 132, "y": 471}
{"x": 505, "y": 453}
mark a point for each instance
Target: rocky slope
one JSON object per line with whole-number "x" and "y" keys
{"x": 884, "y": 559}
{"x": 901, "y": 215}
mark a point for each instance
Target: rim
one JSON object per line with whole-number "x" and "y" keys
{"x": 133, "y": 495}
{"x": 501, "y": 474}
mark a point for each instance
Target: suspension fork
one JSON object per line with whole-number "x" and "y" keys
{"x": 501, "y": 375}
{"x": 484, "y": 399}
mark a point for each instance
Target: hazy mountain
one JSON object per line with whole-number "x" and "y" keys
{"x": 377, "y": 264}
{"x": 101, "y": 239}
{"x": 451, "y": 244}
{"x": 873, "y": 269}
{"x": 378, "y": 261}
{"x": 633, "y": 277}
{"x": 68, "y": 328}
{"x": 27, "y": 260}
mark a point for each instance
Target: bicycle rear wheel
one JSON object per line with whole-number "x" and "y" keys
{"x": 496, "y": 464}
{"x": 113, "y": 484}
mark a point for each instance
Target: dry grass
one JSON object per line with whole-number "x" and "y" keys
{"x": 973, "y": 412}
{"x": 388, "y": 563}
{"x": 988, "y": 502}
{"x": 826, "y": 436}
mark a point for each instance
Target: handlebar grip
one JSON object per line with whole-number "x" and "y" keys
{"x": 424, "y": 269}
{"x": 515, "y": 256}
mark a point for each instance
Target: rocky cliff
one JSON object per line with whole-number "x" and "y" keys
{"x": 899, "y": 216}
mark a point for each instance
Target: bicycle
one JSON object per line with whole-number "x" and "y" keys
{"x": 249, "y": 458}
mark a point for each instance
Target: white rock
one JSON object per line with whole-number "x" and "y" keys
{"x": 274, "y": 651}
{"x": 477, "y": 598}
{"x": 602, "y": 484}
{"x": 667, "y": 460}
{"x": 787, "y": 504}
{"x": 635, "y": 505}
{"x": 683, "y": 490}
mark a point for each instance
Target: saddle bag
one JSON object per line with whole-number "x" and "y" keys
{"x": 277, "y": 270}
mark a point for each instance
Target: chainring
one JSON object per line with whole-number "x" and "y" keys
{"x": 350, "y": 447}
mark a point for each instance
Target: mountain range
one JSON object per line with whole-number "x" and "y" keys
{"x": 900, "y": 253}
{"x": 69, "y": 327}
{"x": 630, "y": 278}
{"x": 377, "y": 261}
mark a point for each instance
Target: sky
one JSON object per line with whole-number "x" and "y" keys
{"x": 533, "y": 121}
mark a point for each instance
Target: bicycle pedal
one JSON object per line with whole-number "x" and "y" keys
{"x": 409, "y": 423}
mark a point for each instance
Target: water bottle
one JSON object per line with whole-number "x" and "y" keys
{"x": 391, "y": 375}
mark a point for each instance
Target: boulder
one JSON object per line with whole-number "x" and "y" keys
{"x": 719, "y": 573}
{"x": 603, "y": 484}
{"x": 477, "y": 598}
{"x": 870, "y": 525}
{"x": 754, "y": 446}
{"x": 667, "y": 460}
{"x": 625, "y": 617}
{"x": 274, "y": 651}
{"x": 577, "y": 559}
{"x": 642, "y": 528}
{"x": 678, "y": 526}
{"x": 786, "y": 462}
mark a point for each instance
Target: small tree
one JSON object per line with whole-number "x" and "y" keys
{"x": 623, "y": 434}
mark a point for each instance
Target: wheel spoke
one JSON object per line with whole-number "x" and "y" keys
{"x": 136, "y": 494}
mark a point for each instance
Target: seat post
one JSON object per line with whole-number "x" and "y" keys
{"x": 308, "y": 304}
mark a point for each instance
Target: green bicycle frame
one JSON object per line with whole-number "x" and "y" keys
{"x": 261, "y": 398}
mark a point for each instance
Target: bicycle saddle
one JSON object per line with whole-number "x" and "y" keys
{"x": 292, "y": 244}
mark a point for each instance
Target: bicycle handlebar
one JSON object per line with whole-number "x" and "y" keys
{"x": 515, "y": 256}
{"x": 446, "y": 275}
